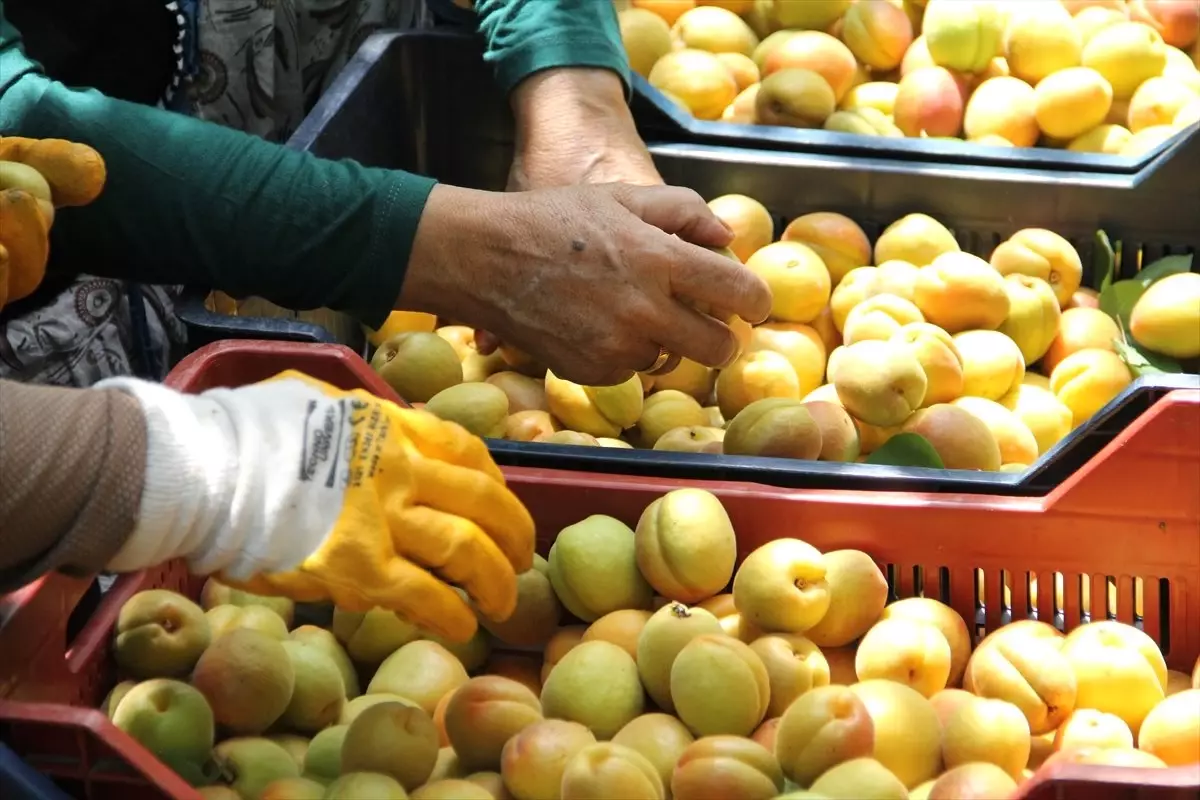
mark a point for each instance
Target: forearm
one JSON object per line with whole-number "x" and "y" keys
{"x": 192, "y": 202}
{"x": 525, "y": 37}
{"x": 72, "y": 467}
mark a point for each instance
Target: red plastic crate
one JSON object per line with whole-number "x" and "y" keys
{"x": 1131, "y": 513}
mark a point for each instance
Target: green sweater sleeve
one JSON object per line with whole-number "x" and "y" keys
{"x": 528, "y": 36}
{"x": 192, "y": 202}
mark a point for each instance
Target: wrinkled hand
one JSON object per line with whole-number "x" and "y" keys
{"x": 587, "y": 279}
{"x": 573, "y": 127}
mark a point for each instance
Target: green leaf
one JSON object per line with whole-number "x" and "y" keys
{"x": 1167, "y": 265}
{"x": 907, "y": 450}
{"x": 1104, "y": 260}
{"x": 1144, "y": 362}
{"x": 1118, "y": 299}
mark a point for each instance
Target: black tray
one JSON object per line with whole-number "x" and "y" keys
{"x": 424, "y": 101}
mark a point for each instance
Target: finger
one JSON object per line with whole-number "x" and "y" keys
{"x": 669, "y": 366}
{"x": 675, "y": 210}
{"x": 459, "y": 552}
{"x": 486, "y": 343}
{"x": 487, "y": 503}
{"x": 688, "y": 333}
{"x": 425, "y": 601}
{"x": 446, "y": 441}
{"x": 703, "y": 276}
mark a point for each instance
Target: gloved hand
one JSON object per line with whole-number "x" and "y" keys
{"x": 294, "y": 487}
{"x": 36, "y": 175}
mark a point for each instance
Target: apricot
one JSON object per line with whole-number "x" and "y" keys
{"x": 1094, "y": 19}
{"x": 837, "y": 240}
{"x": 161, "y": 634}
{"x": 743, "y": 110}
{"x": 1188, "y": 115}
{"x": 1157, "y": 102}
{"x": 1042, "y": 413}
{"x": 666, "y": 410}
{"x": 669, "y": 10}
{"x": 664, "y": 636}
{"x": 1109, "y": 139}
{"x": 987, "y": 731}
{"x": 1118, "y": 669}
{"x": 689, "y": 377}
{"x": 589, "y": 595}
{"x": 879, "y": 95}
{"x": 960, "y": 439}
{"x": 537, "y": 613}
{"x": 938, "y": 356}
{"x": 715, "y": 30}
{"x": 1016, "y": 442}
{"x": 698, "y": 79}
{"x": 774, "y": 427}
{"x": 752, "y": 225}
{"x": 1004, "y": 107}
{"x": 800, "y": 344}
{"x": 622, "y": 628}
{"x": 821, "y": 729}
{"x": 1127, "y": 54}
{"x": 878, "y": 33}
{"x": 764, "y": 734}
{"x": 685, "y": 545}
{"x": 559, "y": 644}
{"x": 1166, "y": 318}
{"x": 809, "y": 15}
{"x": 929, "y": 102}
{"x": 839, "y": 434}
{"x": 879, "y": 382}
{"x": 743, "y": 69}
{"x": 781, "y": 586}
{"x": 992, "y": 363}
{"x": 946, "y": 620}
{"x": 610, "y": 770}
{"x": 646, "y": 36}
{"x": 571, "y": 438}
{"x": 917, "y": 57}
{"x": 483, "y": 714}
{"x": 1087, "y": 728}
{"x": 570, "y": 690}
{"x": 907, "y": 732}
{"x": 794, "y": 666}
{"x": 959, "y": 292}
{"x": 532, "y": 761}
{"x": 726, "y": 766}
{"x": 1072, "y": 102}
{"x": 422, "y": 671}
{"x": 799, "y": 280}
{"x": 1027, "y": 670}
{"x": 975, "y": 781}
{"x": 693, "y": 439}
{"x": 1087, "y": 380}
{"x": 1177, "y": 682}
{"x": 906, "y": 651}
{"x": 1171, "y": 731}
{"x": 660, "y": 738}
{"x": 527, "y": 426}
{"x": 855, "y": 287}
{"x": 963, "y": 36}
{"x": 1041, "y": 39}
{"x": 1178, "y": 23}
{"x": 947, "y": 702}
{"x": 879, "y": 317}
{"x": 1033, "y": 316}
{"x": 817, "y": 52}
{"x": 1081, "y": 329}
{"x": 719, "y": 686}
{"x": 1147, "y": 139}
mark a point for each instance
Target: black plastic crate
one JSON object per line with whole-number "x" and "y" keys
{"x": 424, "y": 101}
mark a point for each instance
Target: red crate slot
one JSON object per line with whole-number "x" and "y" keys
{"x": 1131, "y": 514}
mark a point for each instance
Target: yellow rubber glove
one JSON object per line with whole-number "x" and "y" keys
{"x": 294, "y": 487}
{"x": 37, "y": 175}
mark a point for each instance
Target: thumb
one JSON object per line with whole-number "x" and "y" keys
{"x": 676, "y": 210}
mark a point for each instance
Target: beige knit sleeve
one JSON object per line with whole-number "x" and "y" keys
{"x": 72, "y": 464}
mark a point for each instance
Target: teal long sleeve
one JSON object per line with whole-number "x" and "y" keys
{"x": 194, "y": 203}
{"x": 528, "y": 36}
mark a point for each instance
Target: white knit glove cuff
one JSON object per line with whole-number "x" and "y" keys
{"x": 226, "y": 483}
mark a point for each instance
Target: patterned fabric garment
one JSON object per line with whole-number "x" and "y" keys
{"x": 98, "y": 328}
{"x": 263, "y": 64}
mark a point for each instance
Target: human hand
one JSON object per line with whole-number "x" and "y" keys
{"x": 589, "y": 280}
{"x": 35, "y": 176}
{"x": 573, "y": 126}
{"x": 293, "y": 487}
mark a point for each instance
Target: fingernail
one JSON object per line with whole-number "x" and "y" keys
{"x": 733, "y": 354}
